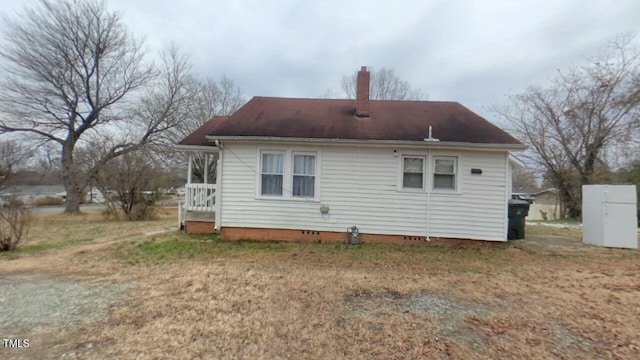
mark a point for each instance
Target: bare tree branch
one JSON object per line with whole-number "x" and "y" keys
{"x": 11, "y": 154}
{"x": 73, "y": 68}
{"x": 584, "y": 113}
{"x": 384, "y": 85}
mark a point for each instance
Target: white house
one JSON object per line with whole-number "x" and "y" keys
{"x": 309, "y": 169}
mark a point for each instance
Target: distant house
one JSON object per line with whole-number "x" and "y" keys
{"x": 309, "y": 169}
{"x": 547, "y": 197}
{"x": 545, "y": 203}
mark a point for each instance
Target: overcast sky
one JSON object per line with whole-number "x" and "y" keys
{"x": 473, "y": 52}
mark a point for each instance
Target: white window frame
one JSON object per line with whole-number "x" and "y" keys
{"x": 315, "y": 170}
{"x": 456, "y": 173}
{"x": 287, "y": 181}
{"x": 424, "y": 173}
{"x": 260, "y": 173}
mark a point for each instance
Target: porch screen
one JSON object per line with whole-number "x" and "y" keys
{"x": 304, "y": 169}
{"x": 272, "y": 174}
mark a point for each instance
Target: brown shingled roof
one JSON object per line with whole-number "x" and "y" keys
{"x": 198, "y": 137}
{"x": 335, "y": 119}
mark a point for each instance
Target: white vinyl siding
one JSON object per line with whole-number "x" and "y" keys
{"x": 362, "y": 186}
{"x": 478, "y": 211}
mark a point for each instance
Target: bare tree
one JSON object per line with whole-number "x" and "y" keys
{"x": 75, "y": 76}
{"x": 207, "y": 98}
{"x": 384, "y": 85}
{"x": 15, "y": 218}
{"x": 523, "y": 180}
{"x": 131, "y": 184}
{"x": 15, "y": 223}
{"x": 586, "y": 112}
{"x": 11, "y": 154}
{"x": 47, "y": 157}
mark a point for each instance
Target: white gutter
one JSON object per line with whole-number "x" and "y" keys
{"x": 395, "y": 143}
{"x": 204, "y": 148}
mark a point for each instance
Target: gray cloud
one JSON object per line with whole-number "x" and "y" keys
{"x": 473, "y": 52}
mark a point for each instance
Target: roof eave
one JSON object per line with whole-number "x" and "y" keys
{"x": 404, "y": 143}
{"x": 206, "y": 148}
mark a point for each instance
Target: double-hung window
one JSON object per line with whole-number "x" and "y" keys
{"x": 304, "y": 175}
{"x": 413, "y": 172}
{"x": 444, "y": 172}
{"x": 272, "y": 174}
{"x": 288, "y": 174}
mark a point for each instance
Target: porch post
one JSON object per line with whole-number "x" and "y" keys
{"x": 189, "y": 170}
{"x": 206, "y": 167}
{"x": 218, "y": 203}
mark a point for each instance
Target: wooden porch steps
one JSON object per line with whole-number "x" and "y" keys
{"x": 199, "y": 222}
{"x": 201, "y": 216}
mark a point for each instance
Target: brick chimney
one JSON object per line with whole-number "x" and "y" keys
{"x": 362, "y": 93}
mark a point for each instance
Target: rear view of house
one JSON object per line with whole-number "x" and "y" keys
{"x": 309, "y": 169}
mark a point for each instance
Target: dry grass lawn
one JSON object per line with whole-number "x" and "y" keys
{"x": 200, "y": 298}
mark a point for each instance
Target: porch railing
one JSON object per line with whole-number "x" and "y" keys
{"x": 200, "y": 197}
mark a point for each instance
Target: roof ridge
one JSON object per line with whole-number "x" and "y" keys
{"x": 347, "y": 99}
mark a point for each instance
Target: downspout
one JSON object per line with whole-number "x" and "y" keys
{"x": 428, "y": 184}
{"x": 206, "y": 168}
{"x": 189, "y": 168}
{"x": 218, "y": 207}
{"x": 429, "y": 188}
{"x": 508, "y": 190}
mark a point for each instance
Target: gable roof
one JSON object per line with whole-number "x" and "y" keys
{"x": 392, "y": 120}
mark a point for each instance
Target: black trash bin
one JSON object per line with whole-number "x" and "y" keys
{"x": 518, "y": 210}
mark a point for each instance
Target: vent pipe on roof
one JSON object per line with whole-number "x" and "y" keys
{"x": 431, "y": 138}
{"x": 362, "y": 92}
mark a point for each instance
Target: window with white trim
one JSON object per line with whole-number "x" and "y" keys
{"x": 304, "y": 175}
{"x": 288, "y": 174}
{"x": 413, "y": 172}
{"x": 444, "y": 172}
{"x": 272, "y": 174}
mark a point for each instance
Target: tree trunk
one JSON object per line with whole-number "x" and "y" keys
{"x": 571, "y": 207}
{"x": 71, "y": 179}
{"x": 72, "y": 202}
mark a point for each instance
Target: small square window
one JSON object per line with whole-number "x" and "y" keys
{"x": 412, "y": 172}
{"x": 444, "y": 172}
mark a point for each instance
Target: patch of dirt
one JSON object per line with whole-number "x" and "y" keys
{"x": 555, "y": 244}
{"x": 468, "y": 322}
{"x": 31, "y": 301}
{"x": 447, "y": 311}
